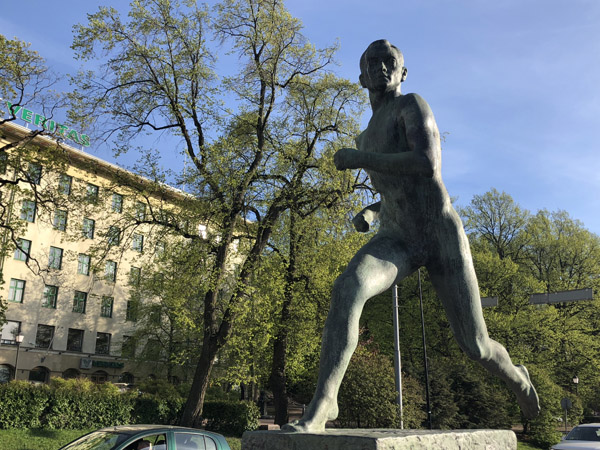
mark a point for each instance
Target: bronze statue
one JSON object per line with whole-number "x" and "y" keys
{"x": 401, "y": 152}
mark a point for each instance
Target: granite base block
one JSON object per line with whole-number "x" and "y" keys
{"x": 354, "y": 439}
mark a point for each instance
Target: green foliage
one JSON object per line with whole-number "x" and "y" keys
{"x": 367, "y": 397}
{"x": 155, "y": 408}
{"x": 159, "y": 387}
{"x": 65, "y": 404}
{"x": 79, "y": 403}
{"x": 230, "y": 417}
{"x": 543, "y": 429}
{"x": 22, "y": 404}
{"x": 248, "y": 166}
{"x": 38, "y": 439}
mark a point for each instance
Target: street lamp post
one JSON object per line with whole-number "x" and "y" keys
{"x": 576, "y": 383}
{"x": 19, "y": 338}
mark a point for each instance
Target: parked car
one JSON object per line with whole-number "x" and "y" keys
{"x": 582, "y": 437}
{"x": 149, "y": 437}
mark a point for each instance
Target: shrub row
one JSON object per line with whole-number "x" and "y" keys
{"x": 79, "y": 404}
{"x": 230, "y": 417}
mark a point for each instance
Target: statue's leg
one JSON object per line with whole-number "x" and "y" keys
{"x": 372, "y": 270}
{"x": 454, "y": 279}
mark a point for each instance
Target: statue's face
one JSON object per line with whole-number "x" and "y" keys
{"x": 384, "y": 70}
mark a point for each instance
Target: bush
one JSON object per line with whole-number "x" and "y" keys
{"x": 79, "y": 403}
{"x": 149, "y": 408}
{"x": 542, "y": 429}
{"x": 22, "y": 404}
{"x": 230, "y": 417}
{"x": 367, "y": 397}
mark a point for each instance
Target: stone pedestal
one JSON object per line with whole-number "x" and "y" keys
{"x": 348, "y": 439}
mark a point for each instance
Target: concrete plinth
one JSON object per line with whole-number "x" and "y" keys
{"x": 348, "y": 439}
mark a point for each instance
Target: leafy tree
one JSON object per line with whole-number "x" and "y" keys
{"x": 156, "y": 76}
{"x": 498, "y": 221}
{"x": 367, "y": 397}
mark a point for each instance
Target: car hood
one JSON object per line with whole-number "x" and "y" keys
{"x": 577, "y": 445}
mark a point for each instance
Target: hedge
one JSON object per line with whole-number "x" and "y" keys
{"x": 230, "y": 417}
{"x": 81, "y": 404}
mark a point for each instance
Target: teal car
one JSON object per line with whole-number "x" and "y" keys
{"x": 149, "y": 437}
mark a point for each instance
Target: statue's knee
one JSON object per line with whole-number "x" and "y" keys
{"x": 478, "y": 350}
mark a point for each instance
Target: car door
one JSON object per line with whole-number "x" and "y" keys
{"x": 194, "y": 441}
{"x": 156, "y": 441}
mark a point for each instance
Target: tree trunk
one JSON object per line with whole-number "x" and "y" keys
{"x": 278, "y": 378}
{"x": 192, "y": 413}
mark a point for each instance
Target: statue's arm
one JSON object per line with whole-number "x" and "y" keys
{"x": 363, "y": 219}
{"x": 423, "y": 140}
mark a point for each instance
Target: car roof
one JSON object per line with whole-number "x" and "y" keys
{"x": 589, "y": 425}
{"x": 142, "y": 428}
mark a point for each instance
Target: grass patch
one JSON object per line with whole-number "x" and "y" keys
{"x": 37, "y": 439}
{"x": 526, "y": 446}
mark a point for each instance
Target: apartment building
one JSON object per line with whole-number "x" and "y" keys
{"x": 69, "y": 310}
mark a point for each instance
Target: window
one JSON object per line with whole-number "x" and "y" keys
{"x": 138, "y": 242}
{"x": 50, "y": 296}
{"x": 3, "y": 162}
{"x": 74, "y": 340}
{"x": 102, "y": 343}
{"x": 92, "y": 193}
{"x": 106, "y": 307}
{"x": 64, "y": 184}
{"x": 44, "y": 336}
{"x": 55, "y": 259}
{"x": 132, "y": 309}
{"x": 88, "y": 228}
{"x": 83, "y": 264}
{"x": 160, "y": 248}
{"x": 79, "y": 302}
{"x": 60, "y": 219}
{"x": 113, "y": 235}
{"x": 128, "y": 350}
{"x": 110, "y": 271}
{"x": 135, "y": 275}
{"x": 117, "y": 203}
{"x": 22, "y": 250}
{"x": 16, "y": 290}
{"x": 140, "y": 211}
{"x": 39, "y": 374}
{"x": 34, "y": 173}
{"x": 10, "y": 330}
{"x": 188, "y": 441}
{"x": 28, "y": 211}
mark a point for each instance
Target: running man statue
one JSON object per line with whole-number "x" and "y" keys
{"x": 401, "y": 152}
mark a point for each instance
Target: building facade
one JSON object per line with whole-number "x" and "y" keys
{"x": 67, "y": 284}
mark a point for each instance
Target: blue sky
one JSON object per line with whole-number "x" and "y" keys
{"x": 512, "y": 83}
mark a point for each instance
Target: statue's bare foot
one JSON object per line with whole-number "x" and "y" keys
{"x": 527, "y": 398}
{"x": 314, "y": 419}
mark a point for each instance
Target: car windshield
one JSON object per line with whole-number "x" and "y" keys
{"x": 584, "y": 434}
{"x": 98, "y": 440}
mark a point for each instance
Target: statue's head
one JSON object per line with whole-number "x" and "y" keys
{"x": 382, "y": 66}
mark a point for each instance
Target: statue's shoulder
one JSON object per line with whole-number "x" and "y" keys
{"x": 413, "y": 100}
{"x": 414, "y": 105}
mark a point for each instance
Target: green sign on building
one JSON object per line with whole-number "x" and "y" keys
{"x": 49, "y": 125}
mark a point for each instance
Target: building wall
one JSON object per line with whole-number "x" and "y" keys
{"x": 31, "y": 313}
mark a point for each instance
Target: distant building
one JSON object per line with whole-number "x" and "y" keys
{"x": 74, "y": 321}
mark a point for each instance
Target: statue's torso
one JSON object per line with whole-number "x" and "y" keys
{"x": 410, "y": 204}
